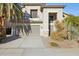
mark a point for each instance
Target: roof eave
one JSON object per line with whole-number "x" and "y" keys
{"x": 52, "y": 6}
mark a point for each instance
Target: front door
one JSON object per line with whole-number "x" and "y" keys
{"x": 52, "y": 17}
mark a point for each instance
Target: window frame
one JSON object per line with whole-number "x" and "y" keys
{"x": 36, "y": 16}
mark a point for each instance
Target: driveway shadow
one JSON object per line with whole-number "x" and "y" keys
{"x": 9, "y": 39}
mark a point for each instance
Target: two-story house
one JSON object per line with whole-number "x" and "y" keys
{"x": 43, "y": 16}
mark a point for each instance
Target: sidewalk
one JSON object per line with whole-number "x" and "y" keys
{"x": 39, "y": 52}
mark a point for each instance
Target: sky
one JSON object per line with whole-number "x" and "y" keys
{"x": 70, "y": 8}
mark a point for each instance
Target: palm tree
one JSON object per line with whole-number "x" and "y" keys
{"x": 11, "y": 12}
{"x": 72, "y": 23}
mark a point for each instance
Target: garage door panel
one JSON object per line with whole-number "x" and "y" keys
{"x": 35, "y": 30}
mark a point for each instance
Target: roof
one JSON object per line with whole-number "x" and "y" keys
{"x": 67, "y": 14}
{"x": 35, "y": 4}
{"x": 53, "y": 6}
{"x": 44, "y": 5}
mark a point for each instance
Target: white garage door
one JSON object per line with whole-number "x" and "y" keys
{"x": 35, "y": 30}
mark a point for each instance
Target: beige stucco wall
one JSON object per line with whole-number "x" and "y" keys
{"x": 46, "y": 12}
{"x": 44, "y": 17}
{"x": 28, "y": 8}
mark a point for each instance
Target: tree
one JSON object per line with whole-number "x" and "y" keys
{"x": 72, "y": 23}
{"x": 11, "y": 12}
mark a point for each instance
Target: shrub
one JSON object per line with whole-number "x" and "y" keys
{"x": 61, "y": 32}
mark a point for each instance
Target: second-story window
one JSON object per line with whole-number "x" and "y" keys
{"x": 33, "y": 13}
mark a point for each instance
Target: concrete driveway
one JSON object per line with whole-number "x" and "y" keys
{"x": 33, "y": 40}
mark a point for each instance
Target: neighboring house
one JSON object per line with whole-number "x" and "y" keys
{"x": 43, "y": 16}
{"x": 65, "y": 15}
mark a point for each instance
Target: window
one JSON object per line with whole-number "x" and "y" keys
{"x": 52, "y": 16}
{"x": 33, "y": 13}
